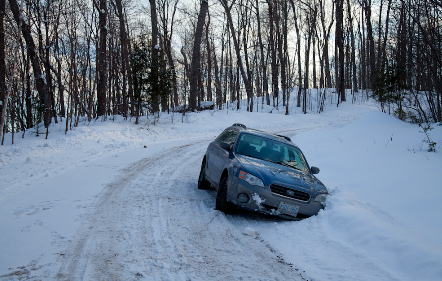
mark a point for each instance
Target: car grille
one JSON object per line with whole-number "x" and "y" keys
{"x": 288, "y": 192}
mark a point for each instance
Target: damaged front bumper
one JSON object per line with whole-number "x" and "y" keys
{"x": 263, "y": 200}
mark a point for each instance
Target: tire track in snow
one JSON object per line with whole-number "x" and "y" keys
{"x": 76, "y": 261}
{"x": 211, "y": 240}
{"x": 153, "y": 224}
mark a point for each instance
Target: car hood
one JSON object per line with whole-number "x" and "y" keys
{"x": 272, "y": 173}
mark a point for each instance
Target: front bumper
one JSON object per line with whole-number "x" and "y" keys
{"x": 262, "y": 200}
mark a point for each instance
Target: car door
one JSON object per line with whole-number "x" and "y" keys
{"x": 220, "y": 156}
{"x": 211, "y": 157}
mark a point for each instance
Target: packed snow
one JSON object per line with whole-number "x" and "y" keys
{"x": 117, "y": 201}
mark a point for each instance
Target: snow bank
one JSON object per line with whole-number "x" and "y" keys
{"x": 383, "y": 219}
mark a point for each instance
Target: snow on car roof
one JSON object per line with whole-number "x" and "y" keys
{"x": 264, "y": 133}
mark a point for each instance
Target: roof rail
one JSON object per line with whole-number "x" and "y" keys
{"x": 285, "y": 137}
{"x": 239, "y": 125}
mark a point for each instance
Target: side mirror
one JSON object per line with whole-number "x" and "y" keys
{"x": 226, "y": 146}
{"x": 314, "y": 170}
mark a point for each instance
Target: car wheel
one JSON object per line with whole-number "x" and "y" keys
{"x": 203, "y": 183}
{"x": 221, "y": 197}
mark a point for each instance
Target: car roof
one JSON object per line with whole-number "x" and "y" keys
{"x": 280, "y": 138}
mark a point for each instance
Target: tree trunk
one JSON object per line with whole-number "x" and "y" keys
{"x": 29, "y": 117}
{"x": 298, "y": 54}
{"x": 209, "y": 63}
{"x": 101, "y": 59}
{"x": 265, "y": 83}
{"x": 326, "y": 35}
{"x": 40, "y": 82}
{"x": 218, "y": 89}
{"x": 244, "y": 26}
{"x": 155, "y": 56}
{"x": 124, "y": 58}
{"x": 340, "y": 79}
{"x": 307, "y": 64}
{"x": 282, "y": 42}
{"x": 47, "y": 62}
{"x": 370, "y": 39}
{"x": 384, "y": 43}
{"x": 3, "y": 93}
{"x": 195, "y": 65}
{"x": 353, "y": 49}
{"x": 273, "y": 49}
{"x": 246, "y": 80}
{"x": 164, "y": 16}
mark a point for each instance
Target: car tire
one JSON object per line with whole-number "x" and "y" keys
{"x": 221, "y": 203}
{"x": 203, "y": 183}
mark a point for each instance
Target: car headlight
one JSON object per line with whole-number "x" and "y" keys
{"x": 251, "y": 179}
{"x": 321, "y": 198}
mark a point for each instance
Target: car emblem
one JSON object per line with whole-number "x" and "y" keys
{"x": 290, "y": 193}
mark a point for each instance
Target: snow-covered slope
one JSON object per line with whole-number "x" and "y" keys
{"x": 117, "y": 201}
{"x": 383, "y": 220}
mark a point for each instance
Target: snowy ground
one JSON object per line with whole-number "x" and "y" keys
{"x": 98, "y": 205}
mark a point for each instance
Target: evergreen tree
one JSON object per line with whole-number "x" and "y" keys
{"x": 144, "y": 78}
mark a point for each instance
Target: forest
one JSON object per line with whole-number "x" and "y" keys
{"x": 217, "y": 140}
{"x": 70, "y": 60}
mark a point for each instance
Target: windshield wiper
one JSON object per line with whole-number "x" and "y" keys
{"x": 285, "y": 164}
{"x": 276, "y": 162}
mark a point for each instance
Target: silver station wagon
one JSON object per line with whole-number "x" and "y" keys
{"x": 263, "y": 172}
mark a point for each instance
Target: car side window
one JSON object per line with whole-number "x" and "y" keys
{"x": 228, "y": 136}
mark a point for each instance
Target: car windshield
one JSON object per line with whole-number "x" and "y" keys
{"x": 271, "y": 150}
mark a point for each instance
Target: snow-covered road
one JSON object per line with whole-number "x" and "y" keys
{"x": 153, "y": 224}
{"x": 117, "y": 201}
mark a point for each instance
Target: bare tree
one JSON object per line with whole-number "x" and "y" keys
{"x": 195, "y": 66}
{"x": 35, "y": 60}
{"x": 273, "y": 50}
{"x": 298, "y": 52}
{"x": 246, "y": 79}
{"x": 124, "y": 56}
{"x": 209, "y": 62}
{"x": 101, "y": 57}
{"x": 155, "y": 56}
{"x": 3, "y": 93}
{"x": 265, "y": 83}
{"x": 167, "y": 14}
{"x": 80, "y": 60}
{"x": 371, "y": 57}
{"x": 339, "y": 34}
